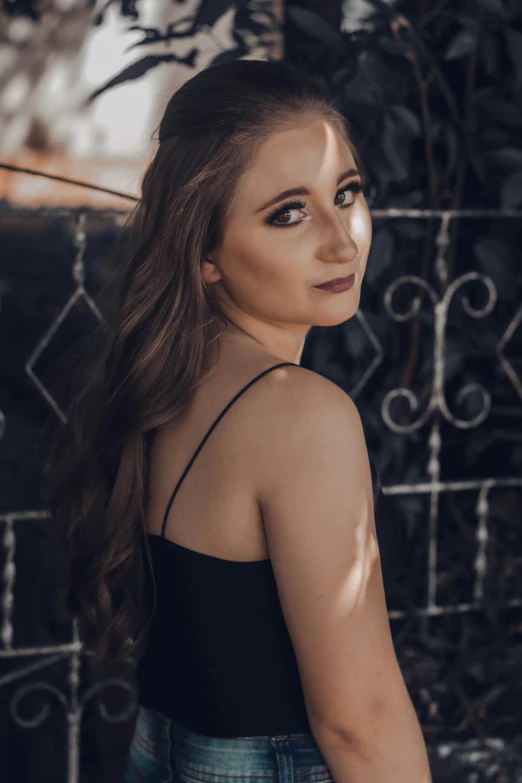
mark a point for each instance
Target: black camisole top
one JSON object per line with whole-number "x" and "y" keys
{"x": 219, "y": 659}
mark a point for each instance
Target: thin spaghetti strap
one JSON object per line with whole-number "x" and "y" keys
{"x": 248, "y": 385}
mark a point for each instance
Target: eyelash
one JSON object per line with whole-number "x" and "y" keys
{"x": 355, "y": 187}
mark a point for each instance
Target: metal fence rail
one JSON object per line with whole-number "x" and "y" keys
{"x": 434, "y": 488}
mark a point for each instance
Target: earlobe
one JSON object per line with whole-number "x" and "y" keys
{"x": 210, "y": 271}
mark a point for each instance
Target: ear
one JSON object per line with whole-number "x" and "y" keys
{"x": 211, "y": 273}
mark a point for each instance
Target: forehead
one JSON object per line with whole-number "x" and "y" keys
{"x": 309, "y": 153}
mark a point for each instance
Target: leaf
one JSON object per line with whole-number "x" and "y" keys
{"x": 494, "y": 7}
{"x": 396, "y": 145}
{"x": 353, "y": 343}
{"x": 27, "y": 8}
{"x": 487, "y": 698}
{"x": 127, "y": 8}
{"x": 432, "y": 643}
{"x": 380, "y": 255}
{"x": 139, "y": 68}
{"x": 514, "y": 45}
{"x": 499, "y": 110}
{"x": 413, "y": 229}
{"x": 495, "y": 259}
{"x": 341, "y": 76}
{"x": 454, "y": 358}
{"x": 436, "y": 128}
{"x": 315, "y": 26}
{"x": 382, "y": 171}
{"x": 411, "y": 509}
{"x": 516, "y": 457}
{"x": 153, "y": 35}
{"x": 231, "y": 54}
{"x": 395, "y": 47}
{"x": 478, "y": 165}
{"x": 472, "y": 402}
{"x": 511, "y": 192}
{"x": 244, "y": 20}
{"x": 414, "y": 198}
{"x": 489, "y": 54}
{"x": 410, "y": 122}
{"x": 468, "y": 22}
{"x": 464, "y": 43}
{"x": 452, "y": 145}
{"x": 359, "y": 92}
{"x": 209, "y": 11}
{"x": 511, "y": 157}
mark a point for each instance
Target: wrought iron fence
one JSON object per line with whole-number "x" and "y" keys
{"x": 436, "y": 410}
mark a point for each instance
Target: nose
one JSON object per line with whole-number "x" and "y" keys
{"x": 337, "y": 245}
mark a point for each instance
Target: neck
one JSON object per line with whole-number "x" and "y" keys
{"x": 282, "y": 347}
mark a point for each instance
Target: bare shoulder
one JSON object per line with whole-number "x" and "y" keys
{"x": 314, "y": 490}
{"x": 304, "y": 416}
{"x": 297, "y": 391}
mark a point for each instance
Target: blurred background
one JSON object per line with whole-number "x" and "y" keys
{"x": 432, "y": 90}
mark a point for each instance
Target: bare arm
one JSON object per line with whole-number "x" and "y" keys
{"x": 315, "y": 493}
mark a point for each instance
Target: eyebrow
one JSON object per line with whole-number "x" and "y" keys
{"x": 303, "y": 191}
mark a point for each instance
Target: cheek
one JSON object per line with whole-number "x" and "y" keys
{"x": 361, "y": 228}
{"x": 266, "y": 257}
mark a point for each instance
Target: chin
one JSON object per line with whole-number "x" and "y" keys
{"x": 334, "y": 319}
{"x": 332, "y": 315}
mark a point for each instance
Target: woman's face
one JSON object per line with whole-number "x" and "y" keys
{"x": 273, "y": 255}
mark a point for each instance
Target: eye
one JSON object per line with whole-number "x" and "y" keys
{"x": 276, "y": 217}
{"x": 354, "y": 187}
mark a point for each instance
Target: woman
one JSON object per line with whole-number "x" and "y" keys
{"x": 254, "y": 603}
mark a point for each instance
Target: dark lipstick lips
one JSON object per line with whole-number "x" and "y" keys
{"x": 336, "y": 280}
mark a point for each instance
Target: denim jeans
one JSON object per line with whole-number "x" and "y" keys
{"x": 163, "y": 751}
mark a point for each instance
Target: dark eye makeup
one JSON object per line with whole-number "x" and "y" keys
{"x": 272, "y": 217}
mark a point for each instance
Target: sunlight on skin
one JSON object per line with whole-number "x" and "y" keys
{"x": 352, "y": 595}
{"x": 265, "y": 275}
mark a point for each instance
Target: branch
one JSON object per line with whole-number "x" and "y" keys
{"x": 89, "y": 185}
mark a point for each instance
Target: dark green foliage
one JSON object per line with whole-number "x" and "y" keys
{"x": 433, "y": 94}
{"x": 432, "y": 90}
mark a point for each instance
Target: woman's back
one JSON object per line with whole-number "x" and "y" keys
{"x": 215, "y": 510}
{"x": 270, "y": 615}
{"x": 219, "y": 659}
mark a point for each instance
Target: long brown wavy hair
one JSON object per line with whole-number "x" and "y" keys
{"x": 160, "y": 343}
